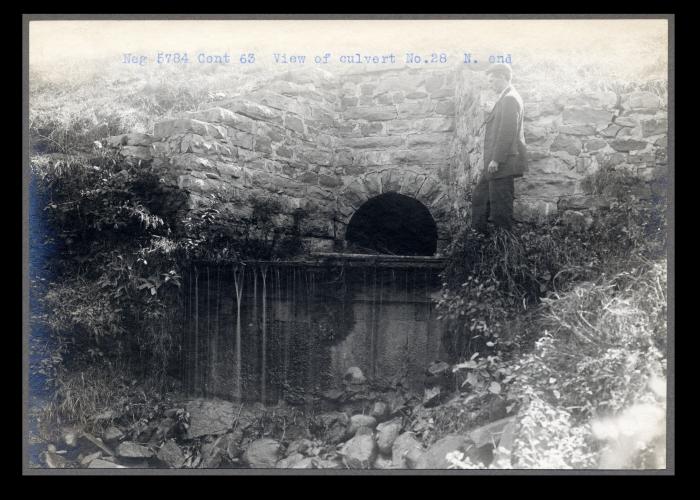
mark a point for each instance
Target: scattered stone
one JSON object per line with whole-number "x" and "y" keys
{"x": 364, "y": 430}
{"x": 380, "y": 411}
{"x": 165, "y": 429}
{"x": 112, "y": 434}
{"x": 98, "y": 443}
{"x": 357, "y": 421}
{"x": 387, "y": 434}
{"x": 359, "y": 452}
{"x": 406, "y": 451}
{"x": 210, "y": 417}
{"x": 55, "y": 461}
{"x": 396, "y": 402}
{"x": 336, "y": 463}
{"x": 383, "y": 463}
{"x": 432, "y": 396}
{"x": 290, "y": 461}
{"x": 231, "y": 444}
{"x": 434, "y": 457}
{"x": 171, "y": 454}
{"x": 299, "y": 446}
{"x": 129, "y": 449}
{"x": 85, "y": 461}
{"x": 211, "y": 456}
{"x": 490, "y": 433}
{"x": 354, "y": 375}
{"x": 70, "y": 438}
{"x": 262, "y": 454}
{"x": 99, "y": 463}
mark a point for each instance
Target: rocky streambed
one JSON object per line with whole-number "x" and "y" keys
{"x": 358, "y": 426}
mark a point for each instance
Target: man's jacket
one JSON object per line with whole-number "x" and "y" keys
{"x": 504, "y": 139}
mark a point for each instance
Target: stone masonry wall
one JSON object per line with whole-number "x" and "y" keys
{"x": 328, "y": 143}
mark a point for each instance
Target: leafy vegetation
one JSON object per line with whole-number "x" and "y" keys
{"x": 569, "y": 326}
{"x": 120, "y": 239}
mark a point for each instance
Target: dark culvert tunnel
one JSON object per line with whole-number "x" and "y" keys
{"x": 392, "y": 224}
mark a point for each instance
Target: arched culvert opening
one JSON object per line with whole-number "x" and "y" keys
{"x": 394, "y": 224}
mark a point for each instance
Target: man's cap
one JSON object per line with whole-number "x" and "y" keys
{"x": 501, "y": 69}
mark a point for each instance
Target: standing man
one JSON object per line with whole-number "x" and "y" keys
{"x": 504, "y": 154}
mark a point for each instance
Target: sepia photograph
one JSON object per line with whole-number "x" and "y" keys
{"x": 348, "y": 245}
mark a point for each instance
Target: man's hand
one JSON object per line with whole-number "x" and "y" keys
{"x": 493, "y": 166}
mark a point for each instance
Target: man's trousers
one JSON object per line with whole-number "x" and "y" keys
{"x": 493, "y": 198}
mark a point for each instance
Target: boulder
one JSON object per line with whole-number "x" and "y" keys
{"x": 299, "y": 446}
{"x": 295, "y": 461}
{"x": 55, "y": 461}
{"x": 70, "y": 438}
{"x": 91, "y": 440}
{"x": 434, "y": 457}
{"x": 490, "y": 433}
{"x": 354, "y": 375}
{"x": 359, "y": 452}
{"x": 387, "y": 434}
{"x": 212, "y": 456}
{"x": 112, "y": 434}
{"x": 85, "y": 461}
{"x": 129, "y": 449}
{"x": 104, "y": 464}
{"x": 383, "y": 463}
{"x": 502, "y": 454}
{"x": 406, "y": 451}
{"x": 380, "y": 411}
{"x": 210, "y": 417}
{"x": 262, "y": 454}
{"x": 171, "y": 454}
{"x": 432, "y": 396}
{"x": 357, "y": 421}
{"x": 230, "y": 444}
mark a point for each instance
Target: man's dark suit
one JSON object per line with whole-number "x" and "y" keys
{"x": 504, "y": 142}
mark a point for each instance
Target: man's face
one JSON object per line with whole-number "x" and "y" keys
{"x": 497, "y": 82}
